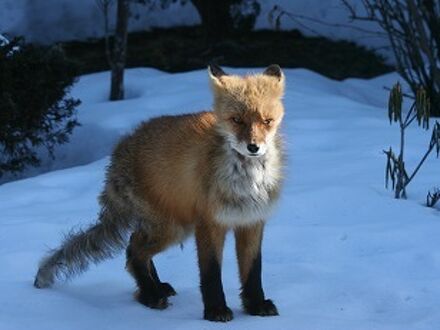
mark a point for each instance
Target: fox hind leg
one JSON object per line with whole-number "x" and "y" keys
{"x": 166, "y": 287}
{"x": 151, "y": 291}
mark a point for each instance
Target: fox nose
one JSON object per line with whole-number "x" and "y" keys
{"x": 253, "y": 148}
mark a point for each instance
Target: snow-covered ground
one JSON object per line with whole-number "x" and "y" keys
{"x": 339, "y": 253}
{"x": 60, "y": 20}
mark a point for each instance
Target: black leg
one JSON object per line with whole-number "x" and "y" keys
{"x": 150, "y": 291}
{"x": 248, "y": 245}
{"x": 166, "y": 287}
{"x": 252, "y": 293}
{"x": 210, "y": 239}
{"x": 213, "y": 295}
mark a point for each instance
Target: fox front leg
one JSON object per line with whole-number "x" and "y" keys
{"x": 248, "y": 245}
{"x": 210, "y": 239}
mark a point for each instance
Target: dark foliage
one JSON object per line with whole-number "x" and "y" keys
{"x": 185, "y": 48}
{"x": 220, "y": 18}
{"x": 34, "y": 109}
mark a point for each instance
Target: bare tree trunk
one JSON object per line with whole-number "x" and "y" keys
{"x": 216, "y": 18}
{"x": 119, "y": 51}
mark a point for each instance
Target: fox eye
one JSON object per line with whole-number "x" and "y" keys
{"x": 237, "y": 120}
{"x": 268, "y": 121}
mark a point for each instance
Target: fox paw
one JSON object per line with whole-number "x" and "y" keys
{"x": 262, "y": 308}
{"x": 218, "y": 314}
{"x": 167, "y": 289}
{"x": 152, "y": 301}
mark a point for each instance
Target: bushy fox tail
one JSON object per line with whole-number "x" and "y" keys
{"x": 100, "y": 241}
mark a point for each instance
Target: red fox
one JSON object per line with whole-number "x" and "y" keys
{"x": 206, "y": 173}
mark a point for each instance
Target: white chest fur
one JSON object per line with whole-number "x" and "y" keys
{"x": 246, "y": 188}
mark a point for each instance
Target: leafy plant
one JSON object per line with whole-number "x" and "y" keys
{"x": 34, "y": 109}
{"x": 433, "y": 197}
{"x": 420, "y": 111}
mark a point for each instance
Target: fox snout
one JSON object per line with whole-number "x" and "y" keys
{"x": 249, "y": 149}
{"x": 253, "y": 148}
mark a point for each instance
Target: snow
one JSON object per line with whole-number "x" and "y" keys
{"x": 339, "y": 252}
{"x": 3, "y": 40}
{"x": 82, "y": 19}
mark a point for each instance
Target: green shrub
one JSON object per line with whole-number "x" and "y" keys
{"x": 35, "y": 110}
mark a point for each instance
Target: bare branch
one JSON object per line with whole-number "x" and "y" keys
{"x": 278, "y": 12}
{"x": 413, "y": 29}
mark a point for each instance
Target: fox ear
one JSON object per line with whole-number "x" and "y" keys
{"x": 216, "y": 73}
{"x": 275, "y": 71}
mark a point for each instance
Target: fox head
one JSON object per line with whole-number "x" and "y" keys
{"x": 249, "y": 109}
